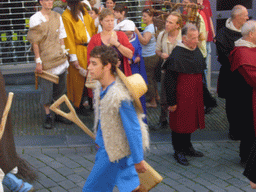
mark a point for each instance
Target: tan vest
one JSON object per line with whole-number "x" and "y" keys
{"x": 114, "y": 137}
{"x": 46, "y": 35}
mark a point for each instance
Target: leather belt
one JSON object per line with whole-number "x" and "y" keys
{"x": 84, "y": 44}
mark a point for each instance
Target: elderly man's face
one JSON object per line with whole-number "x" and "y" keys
{"x": 191, "y": 39}
{"x": 243, "y": 17}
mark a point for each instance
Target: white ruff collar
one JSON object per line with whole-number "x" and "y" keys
{"x": 184, "y": 46}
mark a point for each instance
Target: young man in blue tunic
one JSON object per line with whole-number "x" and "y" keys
{"x": 121, "y": 133}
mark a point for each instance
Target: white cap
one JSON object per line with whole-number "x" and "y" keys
{"x": 125, "y": 25}
{"x": 87, "y": 3}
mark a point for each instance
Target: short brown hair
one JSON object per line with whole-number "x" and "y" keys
{"x": 120, "y": 8}
{"x": 106, "y": 55}
{"x": 104, "y": 13}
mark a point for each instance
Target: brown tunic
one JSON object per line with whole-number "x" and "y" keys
{"x": 46, "y": 35}
{"x": 8, "y": 155}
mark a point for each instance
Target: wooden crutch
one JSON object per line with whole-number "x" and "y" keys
{"x": 149, "y": 179}
{"x": 5, "y": 114}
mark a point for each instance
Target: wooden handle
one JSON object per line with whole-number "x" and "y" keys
{"x": 5, "y": 113}
{"x": 36, "y": 81}
{"x": 72, "y": 116}
{"x": 49, "y": 77}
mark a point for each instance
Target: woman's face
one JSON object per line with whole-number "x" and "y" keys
{"x": 110, "y": 4}
{"x": 108, "y": 23}
{"x": 146, "y": 18}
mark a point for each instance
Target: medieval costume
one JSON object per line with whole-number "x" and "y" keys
{"x": 47, "y": 34}
{"x": 225, "y": 40}
{"x": 250, "y": 169}
{"x": 165, "y": 46}
{"x": 139, "y": 67}
{"x": 79, "y": 34}
{"x": 243, "y": 91}
{"x": 184, "y": 88}
{"x": 9, "y": 161}
{"x": 121, "y": 136}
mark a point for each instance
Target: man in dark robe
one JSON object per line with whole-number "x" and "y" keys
{"x": 184, "y": 93}
{"x": 225, "y": 39}
{"x": 243, "y": 87}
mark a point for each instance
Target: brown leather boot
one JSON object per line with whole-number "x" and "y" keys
{"x": 141, "y": 188}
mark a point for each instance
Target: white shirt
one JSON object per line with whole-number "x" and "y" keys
{"x": 37, "y": 19}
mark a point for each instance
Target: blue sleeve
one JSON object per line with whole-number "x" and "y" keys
{"x": 132, "y": 129}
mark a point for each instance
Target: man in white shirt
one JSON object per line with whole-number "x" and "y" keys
{"x": 47, "y": 35}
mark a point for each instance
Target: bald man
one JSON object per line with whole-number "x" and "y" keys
{"x": 225, "y": 39}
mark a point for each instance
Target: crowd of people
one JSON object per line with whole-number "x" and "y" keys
{"x": 102, "y": 43}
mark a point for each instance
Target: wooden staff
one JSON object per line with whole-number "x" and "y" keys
{"x": 5, "y": 114}
{"x": 47, "y": 76}
{"x": 149, "y": 179}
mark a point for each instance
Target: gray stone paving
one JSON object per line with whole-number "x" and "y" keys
{"x": 66, "y": 168}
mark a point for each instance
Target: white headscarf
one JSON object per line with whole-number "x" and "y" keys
{"x": 125, "y": 25}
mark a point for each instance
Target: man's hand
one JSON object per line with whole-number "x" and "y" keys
{"x": 39, "y": 68}
{"x": 172, "y": 108}
{"x": 164, "y": 55}
{"x": 253, "y": 185}
{"x": 141, "y": 167}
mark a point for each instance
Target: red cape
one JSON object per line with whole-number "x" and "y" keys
{"x": 245, "y": 56}
{"x": 242, "y": 56}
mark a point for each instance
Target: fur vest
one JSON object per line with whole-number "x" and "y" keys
{"x": 114, "y": 137}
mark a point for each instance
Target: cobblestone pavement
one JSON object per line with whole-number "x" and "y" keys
{"x": 64, "y": 156}
{"x": 66, "y": 168}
